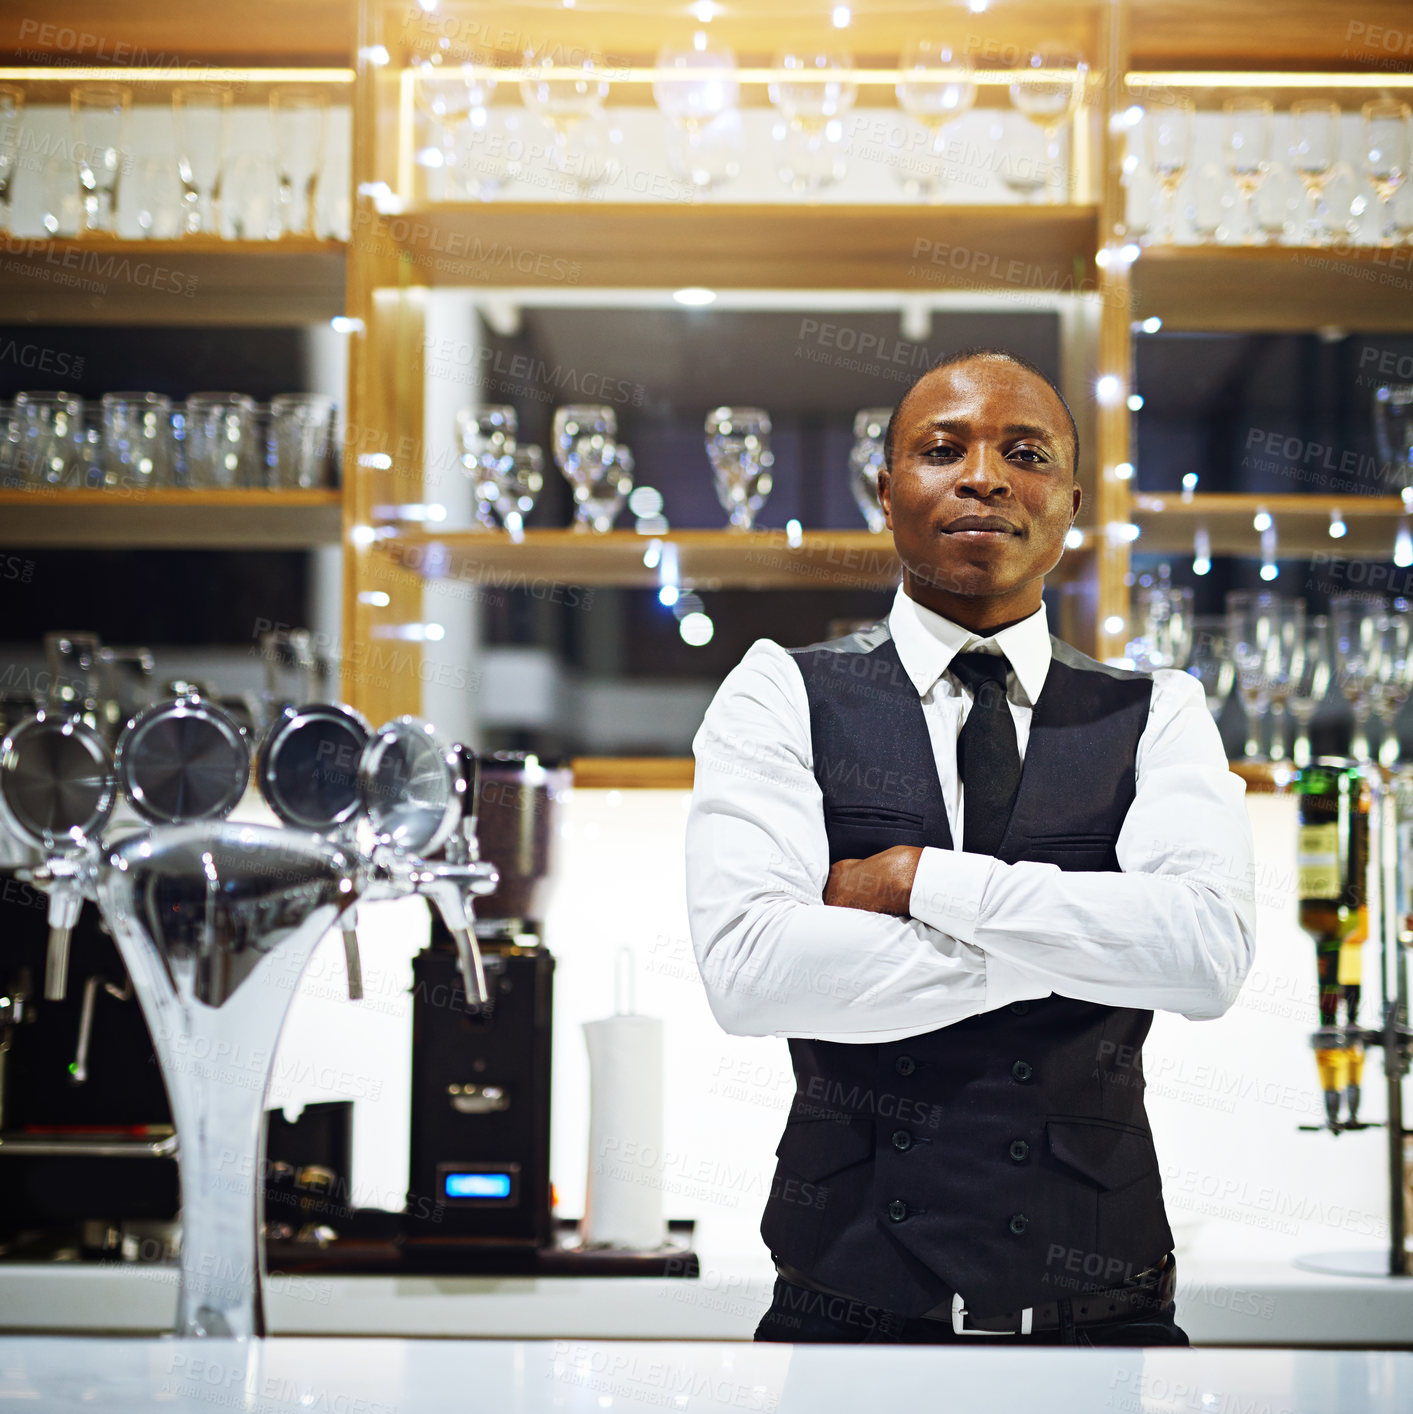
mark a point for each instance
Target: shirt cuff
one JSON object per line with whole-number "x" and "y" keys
{"x": 947, "y": 890}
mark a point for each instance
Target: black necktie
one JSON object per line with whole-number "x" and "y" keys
{"x": 988, "y": 758}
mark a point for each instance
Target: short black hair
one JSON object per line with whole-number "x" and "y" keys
{"x": 965, "y": 356}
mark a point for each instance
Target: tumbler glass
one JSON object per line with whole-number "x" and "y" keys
{"x": 99, "y": 118}
{"x": 46, "y": 436}
{"x": 137, "y": 440}
{"x": 298, "y": 440}
{"x": 221, "y": 442}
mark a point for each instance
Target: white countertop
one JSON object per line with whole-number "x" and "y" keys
{"x": 1218, "y": 1303}
{"x": 565, "y": 1376}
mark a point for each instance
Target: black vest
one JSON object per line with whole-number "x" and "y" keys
{"x": 1007, "y": 1156}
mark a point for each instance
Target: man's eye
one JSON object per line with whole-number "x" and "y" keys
{"x": 940, "y": 450}
{"x": 1033, "y": 454}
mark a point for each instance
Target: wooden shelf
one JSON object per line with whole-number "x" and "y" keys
{"x": 1275, "y": 289}
{"x": 171, "y": 519}
{"x": 1302, "y": 523}
{"x": 201, "y": 281}
{"x": 1011, "y": 248}
{"x": 706, "y": 559}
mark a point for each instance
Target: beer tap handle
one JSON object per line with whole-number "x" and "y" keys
{"x": 78, "y": 1071}
{"x": 447, "y": 892}
{"x": 353, "y": 963}
{"x": 65, "y": 904}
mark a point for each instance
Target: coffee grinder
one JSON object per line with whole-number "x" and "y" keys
{"x": 479, "y": 1180}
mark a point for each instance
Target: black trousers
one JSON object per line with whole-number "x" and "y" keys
{"x": 798, "y": 1315}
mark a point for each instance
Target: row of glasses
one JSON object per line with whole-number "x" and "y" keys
{"x": 1385, "y": 149}
{"x": 197, "y": 172}
{"x": 211, "y": 440}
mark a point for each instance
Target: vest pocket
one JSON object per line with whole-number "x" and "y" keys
{"x": 815, "y": 1148}
{"x": 1108, "y": 1153}
{"x": 859, "y": 831}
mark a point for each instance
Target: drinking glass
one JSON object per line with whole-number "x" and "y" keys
{"x": 696, "y": 89}
{"x": 159, "y": 198}
{"x": 810, "y": 146}
{"x": 61, "y": 214}
{"x": 447, "y": 94}
{"x": 1393, "y": 430}
{"x": 1311, "y": 685}
{"x": 1163, "y": 616}
{"x": 487, "y": 438}
{"x": 1358, "y": 645}
{"x": 738, "y": 447}
{"x": 1395, "y": 674}
{"x": 201, "y": 117}
{"x": 99, "y": 120}
{"x": 866, "y": 461}
{"x": 46, "y": 433}
{"x": 12, "y": 114}
{"x": 1049, "y": 99}
{"x": 1314, "y": 147}
{"x": 220, "y": 441}
{"x": 708, "y": 156}
{"x": 1210, "y": 662}
{"x": 250, "y": 205}
{"x": 137, "y": 440}
{"x": 1246, "y": 149}
{"x": 299, "y": 440}
{"x": 1211, "y": 204}
{"x": 1386, "y": 155}
{"x": 587, "y": 450}
{"x": 934, "y": 101}
{"x": 1278, "y": 203}
{"x": 489, "y": 153}
{"x": 1024, "y": 167}
{"x": 1167, "y": 131}
{"x": 1266, "y": 636}
{"x": 563, "y": 102}
{"x": 521, "y": 489}
{"x": 299, "y": 118}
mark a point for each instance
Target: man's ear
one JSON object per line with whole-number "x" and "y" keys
{"x": 885, "y": 495}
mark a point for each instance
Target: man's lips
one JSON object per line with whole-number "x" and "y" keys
{"x": 980, "y": 528}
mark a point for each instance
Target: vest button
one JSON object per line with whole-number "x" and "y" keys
{"x": 1021, "y": 1071}
{"x": 1018, "y": 1223}
{"x": 905, "y": 1065}
{"x": 1019, "y": 1149}
{"x": 902, "y": 1139}
{"x": 897, "y": 1210}
{"x": 1020, "y": 1008}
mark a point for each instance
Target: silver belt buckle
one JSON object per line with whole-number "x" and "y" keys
{"x": 959, "y": 1310}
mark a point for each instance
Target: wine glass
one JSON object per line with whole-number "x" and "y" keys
{"x": 708, "y": 155}
{"x": 866, "y": 461}
{"x": 1048, "y": 97}
{"x": 810, "y": 148}
{"x": 934, "y": 101}
{"x": 693, "y": 86}
{"x": 12, "y": 113}
{"x": 448, "y": 94}
{"x": 521, "y": 489}
{"x": 201, "y": 117}
{"x": 487, "y": 437}
{"x": 738, "y": 447}
{"x": 1314, "y": 147}
{"x": 490, "y": 155}
{"x": 1246, "y": 148}
{"x": 1386, "y": 154}
{"x": 1395, "y": 674}
{"x": 563, "y": 102}
{"x": 1358, "y": 648}
{"x": 1210, "y": 662}
{"x": 1393, "y": 429}
{"x": 1312, "y": 684}
{"x": 597, "y": 467}
{"x": 1163, "y": 615}
{"x": 1266, "y": 635}
{"x": 300, "y": 120}
{"x": 1024, "y": 168}
{"x": 99, "y": 117}
{"x": 1167, "y": 132}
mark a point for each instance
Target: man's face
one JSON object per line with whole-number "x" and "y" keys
{"x": 985, "y": 438}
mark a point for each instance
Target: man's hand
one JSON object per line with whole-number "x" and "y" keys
{"x": 882, "y": 883}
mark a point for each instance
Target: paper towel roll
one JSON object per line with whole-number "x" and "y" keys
{"x": 623, "y": 1200}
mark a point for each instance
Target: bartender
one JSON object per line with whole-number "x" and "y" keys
{"x": 958, "y": 863}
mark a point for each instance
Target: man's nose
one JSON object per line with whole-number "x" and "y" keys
{"x": 984, "y": 470}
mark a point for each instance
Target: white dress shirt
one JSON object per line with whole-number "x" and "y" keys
{"x": 1174, "y": 930}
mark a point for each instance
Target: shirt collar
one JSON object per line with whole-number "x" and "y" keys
{"x": 928, "y": 641}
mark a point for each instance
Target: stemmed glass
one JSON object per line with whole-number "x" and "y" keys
{"x": 1210, "y": 662}
{"x": 697, "y": 90}
{"x": 1314, "y": 146}
{"x": 1246, "y": 148}
{"x": 1163, "y": 614}
{"x": 201, "y": 115}
{"x": 597, "y": 466}
{"x": 738, "y": 447}
{"x": 300, "y": 120}
{"x": 1395, "y": 674}
{"x": 1386, "y": 153}
{"x": 934, "y": 102}
{"x": 487, "y": 436}
{"x": 1393, "y": 428}
{"x": 450, "y": 96}
{"x": 565, "y": 103}
{"x": 1049, "y": 100}
{"x": 810, "y": 144}
{"x": 12, "y": 113}
{"x": 1312, "y": 683}
{"x": 1266, "y": 633}
{"x": 1358, "y": 646}
{"x": 866, "y": 461}
{"x": 1167, "y": 132}
{"x": 99, "y": 117}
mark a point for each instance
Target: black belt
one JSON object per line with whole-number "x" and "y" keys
{"x": 1142, "y": 1294}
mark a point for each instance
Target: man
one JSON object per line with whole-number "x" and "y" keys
{"x": 965, "y": 955}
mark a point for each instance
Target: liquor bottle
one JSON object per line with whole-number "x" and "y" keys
{"x": 1333, "y": 809}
